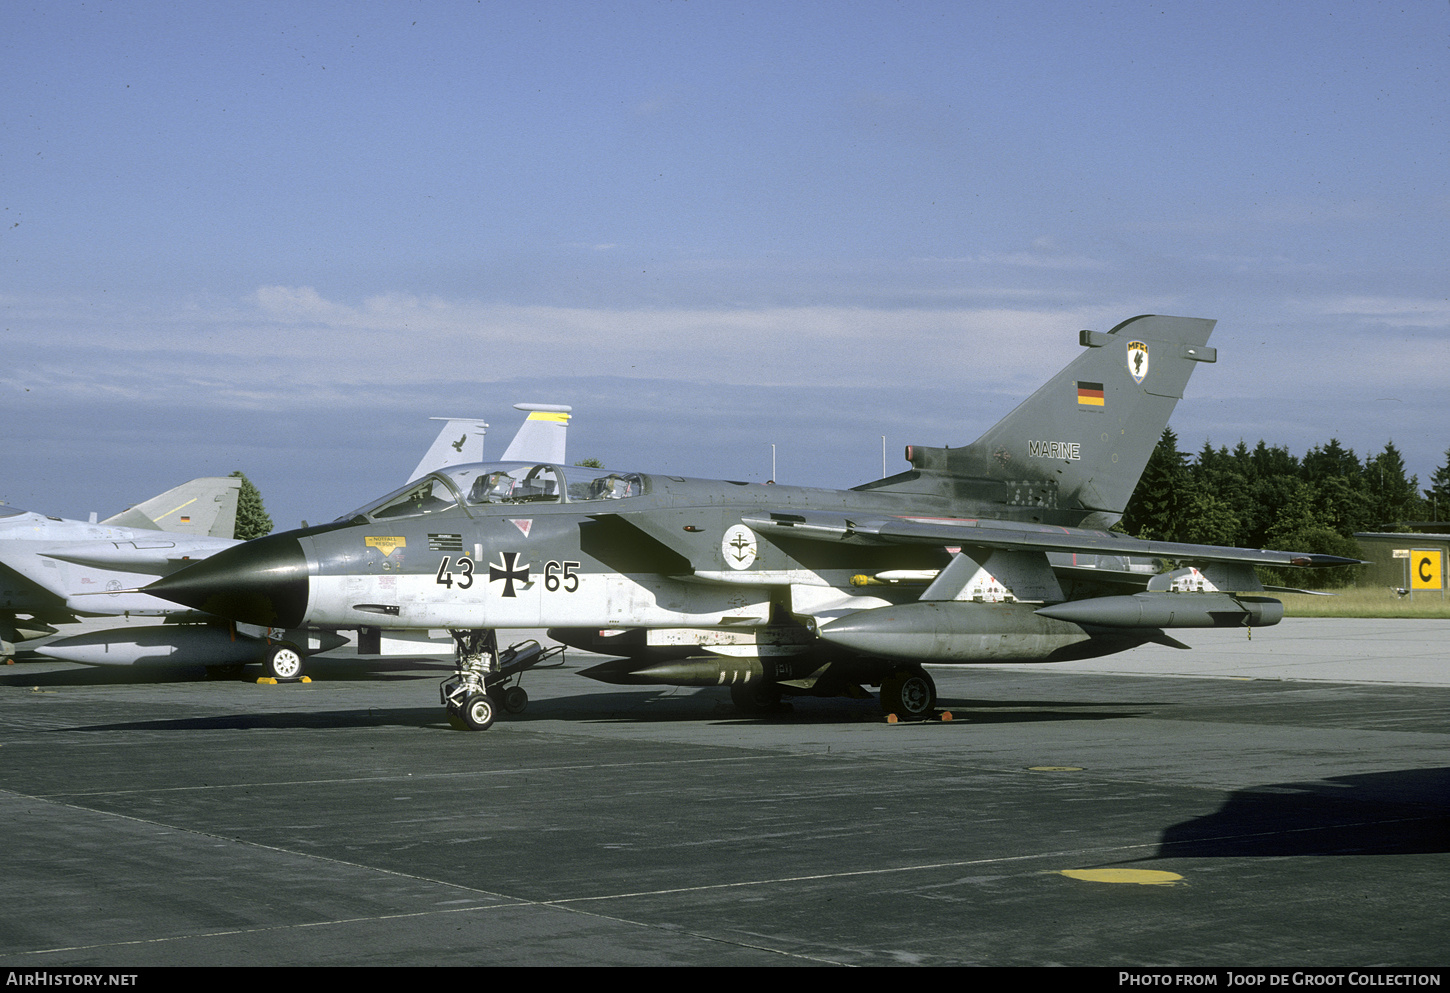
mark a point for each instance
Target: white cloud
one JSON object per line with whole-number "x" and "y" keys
{"x": 293, "y": 349}
{"x": 1046, "y": 256}
{"x": 291, "y": 345}
{"x": 1395, "y": 311}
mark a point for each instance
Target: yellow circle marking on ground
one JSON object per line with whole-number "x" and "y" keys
{"x": 1054, "y": 768}
{"x": 1142, "y": 877}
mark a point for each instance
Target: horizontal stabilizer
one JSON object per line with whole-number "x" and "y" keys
{"x": 132, "y": 517}
{"x": 1001, "y": 575}
{"x": 1214, "y": 577}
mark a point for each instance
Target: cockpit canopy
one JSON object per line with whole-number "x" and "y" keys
{"x": 482, "y": 484}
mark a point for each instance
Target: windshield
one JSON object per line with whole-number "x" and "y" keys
{"x": 427, "y": 496}
{"x": 512, "y": 483}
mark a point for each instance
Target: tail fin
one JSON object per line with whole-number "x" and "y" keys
{"x": 1074, "y": 449}
{"x": 460, "y": 441}
{"x": 541, "y": 437}
{"x": 202, "y": 506}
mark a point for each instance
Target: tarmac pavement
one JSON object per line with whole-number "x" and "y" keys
{"x": 1283, "y": 801}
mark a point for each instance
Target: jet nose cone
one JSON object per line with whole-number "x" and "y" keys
{"x": 261, "y": 582}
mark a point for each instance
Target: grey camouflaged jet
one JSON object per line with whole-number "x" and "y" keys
{"x": 974, "y": 554}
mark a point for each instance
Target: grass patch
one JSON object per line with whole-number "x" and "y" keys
{"x": 1366, "y": 601}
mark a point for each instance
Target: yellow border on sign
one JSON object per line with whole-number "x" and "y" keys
{"x": 1427, "y": 569}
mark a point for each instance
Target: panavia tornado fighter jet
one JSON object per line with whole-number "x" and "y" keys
{"x": 971, "y": 555}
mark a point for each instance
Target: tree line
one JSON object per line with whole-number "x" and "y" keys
{"x": 1265, "y": 497}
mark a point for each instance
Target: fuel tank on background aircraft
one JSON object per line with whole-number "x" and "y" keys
{"x": 176, "y": 644}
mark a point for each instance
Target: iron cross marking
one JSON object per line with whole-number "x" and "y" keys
{"x": 509, "y": 571}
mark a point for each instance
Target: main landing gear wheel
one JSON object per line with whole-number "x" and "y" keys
{"x": 477, "y": 712}
{"x": 755, "y": 697}
{"x": 910, "y": 695}
{"x": 283, "y": 662}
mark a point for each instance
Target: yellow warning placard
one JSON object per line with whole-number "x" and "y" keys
{"x": 1427, "y": 569}
{"x": 386, "y": 545}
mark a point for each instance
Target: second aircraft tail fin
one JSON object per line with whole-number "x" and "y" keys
{"x": 460, "y": 441}
{"x": 542, "y": 435}
{"x": 201, "y": 506}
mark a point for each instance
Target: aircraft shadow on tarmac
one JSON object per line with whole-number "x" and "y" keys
{"x": 85, "y": 675}
{"x": 1406, "y": 812}
{"x": 595, "y": 708}
{"x": 965, "y": 713}
{"x": 1033, "y": 711}
{"x": 636, "y": 705}
{"x": 667, "y": 704}
{"x": 284, "y": 720}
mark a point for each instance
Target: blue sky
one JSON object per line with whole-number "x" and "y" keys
{"x": 278, "y": 238}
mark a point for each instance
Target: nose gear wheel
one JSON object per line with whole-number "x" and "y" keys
{"x": 282, "y": 662}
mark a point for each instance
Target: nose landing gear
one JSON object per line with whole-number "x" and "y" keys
{"x": 479, "y": 688}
